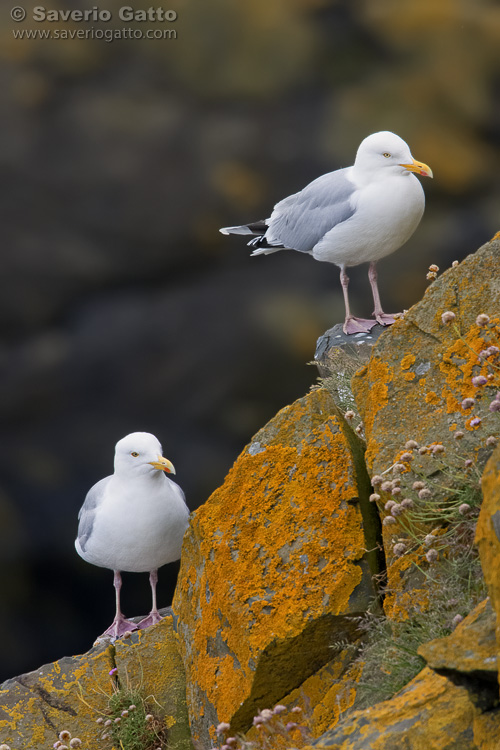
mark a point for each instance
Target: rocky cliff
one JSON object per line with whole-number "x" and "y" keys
{"x": 340, "y": 588}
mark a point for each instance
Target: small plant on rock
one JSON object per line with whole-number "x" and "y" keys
{"x": 66, "y": 741}
{"x": 133, "y": 722}
{"x": 130, "y": 721}
{"x": 429, "y": 500}
{"x": 431, "y": 495}
{"x": 277, "y": 729}
{"x": 389, "y": 654}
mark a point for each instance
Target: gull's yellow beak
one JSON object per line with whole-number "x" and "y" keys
{"x": 419, "y": 167}
{"x": 163, "y": 464}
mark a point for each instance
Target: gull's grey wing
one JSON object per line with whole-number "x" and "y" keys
{"x": 300, "y": 221}
{"x": 86, "y": 515}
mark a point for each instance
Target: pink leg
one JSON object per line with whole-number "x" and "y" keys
{"x": 120, "y": 624}
{"x": 154, "y": 616}
{"x": 352, "y": 324}
{"x": 380, "y": 316}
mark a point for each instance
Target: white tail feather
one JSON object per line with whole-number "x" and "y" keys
{"x": 265, "y": 250}
{"x": 236, "y": 230}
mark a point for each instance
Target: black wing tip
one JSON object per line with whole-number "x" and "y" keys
{"x": 262, "y": 242}
{"x": 254, "y": 228}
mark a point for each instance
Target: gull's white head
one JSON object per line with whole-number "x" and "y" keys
{"x": 385, "y": 151}
{"x": 140, "y": 453}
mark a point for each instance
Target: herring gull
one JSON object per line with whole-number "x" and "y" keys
{"x": 354, "y": 215}
{"x": 133, "y": 520}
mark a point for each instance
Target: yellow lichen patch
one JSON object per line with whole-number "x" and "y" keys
{"x": 444, "y": 357}
{"x": 430, "y": 712}
{"x": 429, "y": 407}
{"x": 149, "y": 662}
{"x": 407, "y": 361}
{"x": 338, "y": 699}
{"x": 65, "y": 695}
{"x": 408, "y": 376}
{"x": 460, "y": 364}
{"x": 371, "y": 389}
{"x": 432, "y": 398}
{"x": 405, "y": 585}
{"x": 276, "y": 549}
{"x": 470, "y": 649}
{"x": 73, "y": 692}
{"x": 320, "y": 701}
{"x": 486, "y": 730}
{"x": 325, "y": 696}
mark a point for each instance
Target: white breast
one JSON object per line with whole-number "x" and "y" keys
{"x": 387, "y": 212}
{"x": 136, "y": 530}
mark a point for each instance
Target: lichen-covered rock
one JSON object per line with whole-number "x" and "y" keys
{"x": 488, "y": 534}
{"x": 414, "y": 388}
{"x": 320, "y": 700}
{"x": 338, "y": 356}
{"x": 73, "y": 692}
{"x": 327, "y": 694}
{"x": 272, "y": 566}
{"x": 150, "y": 661}
{"x": 430, "y": 712}
{"x": 421, "y": 369}
{"x": 452, "y": 706}
{"x": 67, "y": 694}
{"x": 470, "y": 650}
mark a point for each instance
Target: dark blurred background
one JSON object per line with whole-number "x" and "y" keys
{"x": 124, "y": 309}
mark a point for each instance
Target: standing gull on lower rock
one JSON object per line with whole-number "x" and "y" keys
{"x": 134, "y": 520}
{"x": 355, "y": 215}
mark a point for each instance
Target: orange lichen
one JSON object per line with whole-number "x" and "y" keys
{"x": 460, "y": 363}
{"x": 29, "y": 719}
{"x": 401, "y": 598}
{"x": 371, "y": 390}
{"x": 450, "y": 361}
{"x": 255, "y": 584}
{"x": 455, "y": 649}
{"x": 328, "y": 693}
{"x": 432, "y": 398}
{"x": 71, "y": 693}
{"x": 256, "y": 577}
{"x": 337, "y": 700}
{"x": 486, "y": 730}
{"x": 407, "y": 361}
{"x": 429, "y": 712}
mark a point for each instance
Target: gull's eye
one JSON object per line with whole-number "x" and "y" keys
{"x": 387, "y": 155}
{"x": 134, "y": 454}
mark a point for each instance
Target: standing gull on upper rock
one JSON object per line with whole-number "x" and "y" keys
{"x": 134, "y": 520}
{"x": 355, "y": 215}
